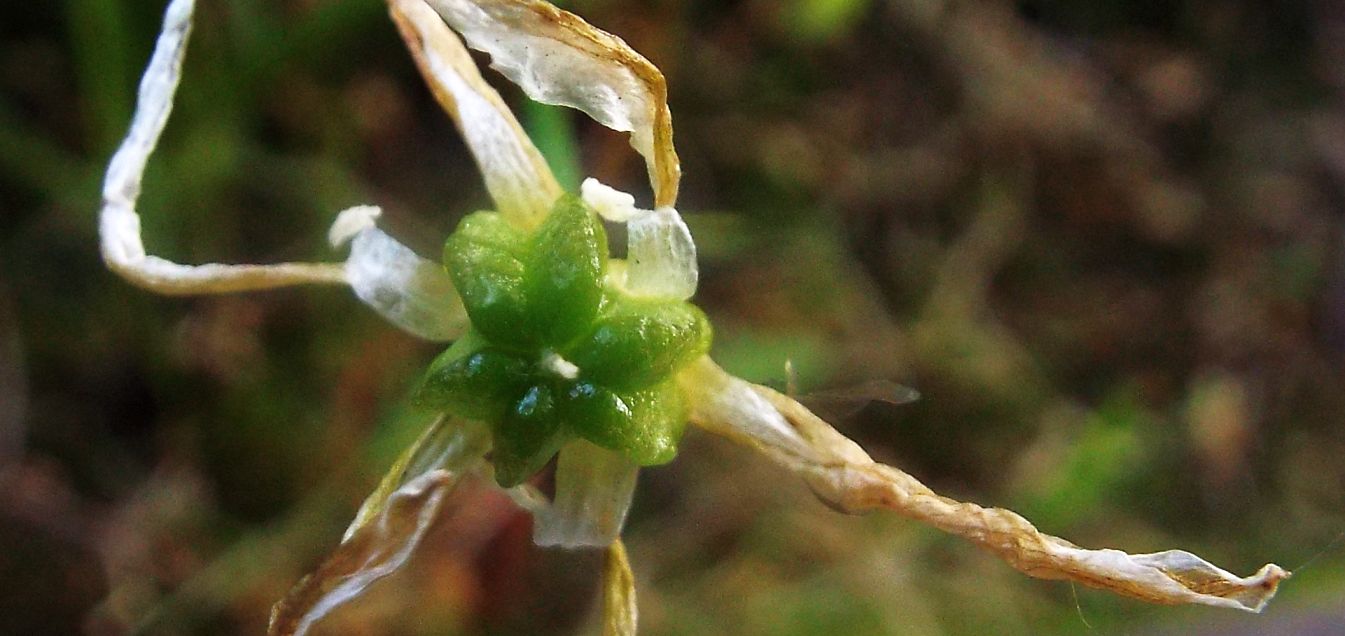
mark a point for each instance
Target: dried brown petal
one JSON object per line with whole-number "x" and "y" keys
{"x": 516, "y": 175}
{"x": 450, "y": 444}
{"x": 619, "y": 613}
{"x": 558, "y": 58}
{"x": 844, "y": 476}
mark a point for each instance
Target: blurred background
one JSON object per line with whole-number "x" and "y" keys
{"x": 1103, "y": 240}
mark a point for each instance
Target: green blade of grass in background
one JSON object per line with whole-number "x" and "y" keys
{"x": 552, "y": 130}
{"x": 100, "y": 44}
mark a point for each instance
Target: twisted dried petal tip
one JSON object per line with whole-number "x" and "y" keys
{"x": 1208, "y": 582}
{"x": 846, "y": 478}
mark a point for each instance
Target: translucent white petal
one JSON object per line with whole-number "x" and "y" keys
{"x": 558, "y": 58}
{"x": 118, "y": 222}
{"x": 516, "y": 175}
{"x": 411, "y": 292}
{"x": 842, "y": 475}
{"x": 660, "y": 254}
{"x": 593, "y": 493}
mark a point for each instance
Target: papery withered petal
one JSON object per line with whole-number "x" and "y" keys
{"x": 843, "y": 476}
{"x": 734, "y": 408}
{"x": 118, "y": 222}
{"x": 661, "y": 257}
{"x": 660, "y": 254}
{"x": 594, "y": 487}
{"x": 375, "y": 550}
{"x": 558, "y": 58}
{"x": 620, "y": 615}
{"x": 447, "y": 443}
{"x": 389, "y": 524}
{"x": 411, "y": 292}
{"x": 516, "y": 175}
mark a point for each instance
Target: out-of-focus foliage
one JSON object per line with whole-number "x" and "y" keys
{"x": 1104, "y": 242}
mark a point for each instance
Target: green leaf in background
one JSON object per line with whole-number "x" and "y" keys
{"x": 551, "y": 129}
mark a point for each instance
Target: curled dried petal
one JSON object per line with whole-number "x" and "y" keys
{"x": 454, "y": 445}
{"x": 389, "y": 525}
{"x": 411, "y": 292}
{"x": 594, "y": 487}
{"x": 376, "y": 549}
{"x": 841, "y": 474}
{"x": 118, "y": 222}
{"x": 558, "y": 58}
{"x": 516, "y": 175}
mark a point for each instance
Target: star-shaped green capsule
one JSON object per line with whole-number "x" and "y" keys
{"x": 555, "y": 350}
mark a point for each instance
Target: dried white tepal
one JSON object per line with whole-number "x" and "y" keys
{"x": 559, "y": 349}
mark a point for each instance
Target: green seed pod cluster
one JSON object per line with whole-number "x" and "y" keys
{"x": 554, "y": 351}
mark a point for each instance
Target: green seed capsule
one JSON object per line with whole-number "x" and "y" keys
{"x": 553, "y": 352}
{"x": 474, "y": 380}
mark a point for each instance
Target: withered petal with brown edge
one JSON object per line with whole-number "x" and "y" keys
{"x": 558, "y": 58}
{"x": 390, "y": 523}
{"x": 516, "y": 175}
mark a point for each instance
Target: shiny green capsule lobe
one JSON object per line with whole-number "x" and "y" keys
{"x": 474, "y": 382}
{"x": 527, "y": 436}
{"x": 486, "y": 260}
{"x": 645, "y": 424}
{"x": 638, "y": 342}
{"x": 563, "y": 283}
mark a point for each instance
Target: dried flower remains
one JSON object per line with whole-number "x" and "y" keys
{"x": 559, "y": 349}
